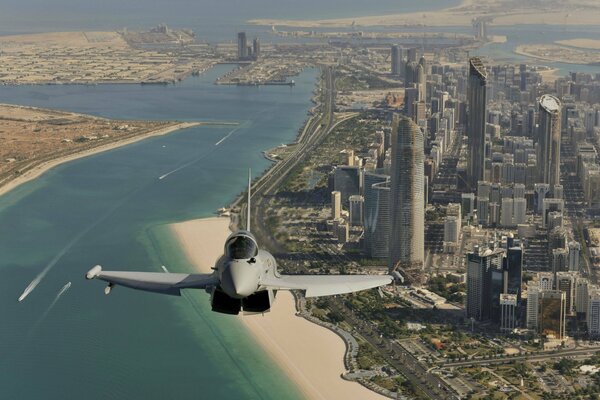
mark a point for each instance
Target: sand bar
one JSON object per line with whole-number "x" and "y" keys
{"x": 311, "y": 356}
{"x": 591, "y": 44}
{"x": 45, "y": 166}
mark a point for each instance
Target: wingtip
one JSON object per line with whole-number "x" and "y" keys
{"x": 94, "y": 272}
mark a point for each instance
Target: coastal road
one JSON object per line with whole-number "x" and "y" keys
{"x": 316, "y": 129}
{"x": 590, "y": 351}
{"x": 424, "y": 382}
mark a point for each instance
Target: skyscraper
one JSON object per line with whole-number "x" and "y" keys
{"x": 413, "y": 54}
{"x": 552, "y": 312}
{"x": 336, "y": 205}
{"x": 356, "y": 210}
{"x": 410, "y": 74}
{"x": 513, "y": 268}
{"x": 242, "y": 52}
{"x": 533, "y": 308}
{"x": 407, "y": 199}
{"x": 523, "y": 77}
{"x": 421, "y": 82}
{"x": 566, "y": 282}
{"x": 508, "y": 307}
{"x": 476, "y": 95}
{"x": 256, "y": 48}
{"x": 484, "y": 284}
{"x": 574, "y": 249}
{"x": 582, "y": 289}
{"x": 397, "y": 60}
{"x": 347, "y": 180}
{"x": 593, "y": 314}
{"x": 548, "y": 141}
{"x": 377, "y": 214}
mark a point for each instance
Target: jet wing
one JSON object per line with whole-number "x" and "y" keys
{"x": 326, "y": 285}
{"x": 159, "y": 282}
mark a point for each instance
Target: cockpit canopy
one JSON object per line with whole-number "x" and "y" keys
{"x": 241, "y": 247}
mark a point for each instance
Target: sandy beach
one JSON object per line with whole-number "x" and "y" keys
{"x": 45, "y": 166}
{"x": 312, "y": 356}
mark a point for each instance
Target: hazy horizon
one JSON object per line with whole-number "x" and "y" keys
{"x": 204, "y": 16}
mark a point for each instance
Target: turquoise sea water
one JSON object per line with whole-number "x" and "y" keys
{"x": 110, "y": 209}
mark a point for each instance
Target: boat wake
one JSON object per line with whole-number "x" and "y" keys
{"x": 36, "y": 281}
{"x": 229, "y": 135}
{"x": 61, "y": 292}
{"x": 160, "y": 178}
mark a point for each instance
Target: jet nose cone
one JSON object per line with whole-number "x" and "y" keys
{"x": 240, "y": 280}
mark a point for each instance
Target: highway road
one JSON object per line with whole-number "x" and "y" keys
{"x": 527, "y": 357}
{"x": 426, "y": 384}
{"x": 313, "y": 134}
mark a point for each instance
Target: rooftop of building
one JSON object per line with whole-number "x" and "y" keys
{"x": 476, "y": 66}
{"x": 550, "y": 103}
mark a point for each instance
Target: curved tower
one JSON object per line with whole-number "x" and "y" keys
{"x": 407, "y": 239}
{"x": 476, "y": 92}
{"x": 548, "y": 141}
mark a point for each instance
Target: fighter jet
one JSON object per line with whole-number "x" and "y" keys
{"x": 245, "y": 278}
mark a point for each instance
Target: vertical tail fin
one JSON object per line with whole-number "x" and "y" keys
{"x": 249, "y": 197}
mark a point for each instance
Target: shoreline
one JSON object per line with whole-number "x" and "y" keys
{"x": 459, "y": 15}
{"x": 522, "y": 51}
{"x": 45, "y": 166}
{"x": 311, "y": 356}
{"x": 369, "y": 20}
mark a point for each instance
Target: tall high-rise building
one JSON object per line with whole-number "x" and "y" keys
{"x": 508, "y": 314}
{"x": 242, "y": 43}
{"x": 467, "y": 201}
{"x": 413, "y": 54}
{"x": 484, "y": 284}
{"x": 336, "y": 205}
{"x": 411, "y": 74}
{"x": 593, "y": 314}
{"x": 407, "y": 246}
{"x": 507, "y": 212}
{"x": 549, "y": 206}
{"x": 574, "y": 249}
{"x": 533, "y": 305}
{"x": 523, "y": 77}
{"x": 377, "y": 214}
{"x": 356, "y": 210}
{"x": 347, "y": 180}
{"x": 519, "y": 211}
{"x": 566, "y": 282}
{"x": 513, "y": 271}
{"x": 476, "y": 97}
{"x": 560, "y": 259}
{"x": 421, "y": 82}
{"x": 582, "y": 289}
{"x": 256, "y": 48}
{"x": 541, "y": 191}
{"x": 548, "y": 140}
{"x": 397, "y": 60}
{"x": 552, "y": 313}
{"x": 451, "y": 231}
